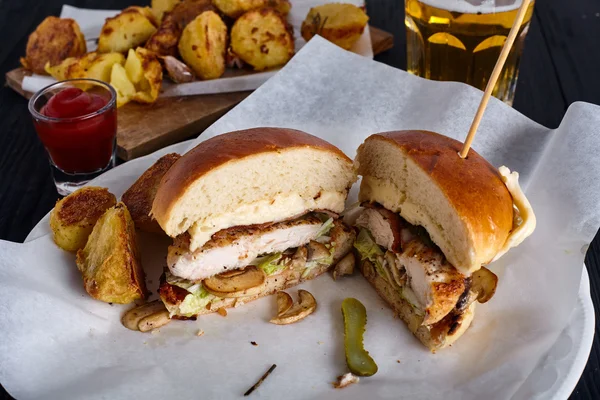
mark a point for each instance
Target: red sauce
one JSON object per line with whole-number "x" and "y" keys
{"x": 78, "y": 144}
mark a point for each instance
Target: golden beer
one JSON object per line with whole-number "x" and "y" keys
{"x": 455, "y": 40}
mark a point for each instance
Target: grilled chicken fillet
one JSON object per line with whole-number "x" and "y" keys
{"x": 431, "y": 284}
{"x": 236, "y": 247}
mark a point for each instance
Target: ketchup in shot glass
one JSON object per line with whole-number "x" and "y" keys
{"x": 77, "y": 123}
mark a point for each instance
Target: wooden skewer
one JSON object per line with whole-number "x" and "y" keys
{"x": 512, "y": 35}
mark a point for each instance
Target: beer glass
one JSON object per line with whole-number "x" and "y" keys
{"x": 460, "y": 40}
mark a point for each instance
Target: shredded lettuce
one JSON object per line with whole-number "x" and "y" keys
{"x": 269, "y": 263}
{"x": 325, "y": 228}
{"x": 195, "y": 302}
{"x": 177, "y": 281}
{"x": 366, "y": 246}
{"x": 197, "y": 299}
{"x": 370, "y": 250}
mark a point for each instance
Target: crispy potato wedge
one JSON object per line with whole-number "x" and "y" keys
{"x": 235, "y": 8}
{"x": 122, "y": 85}
{"x": 71, "y": 68}
{"x": 262, "y": 38}
{"x": 129, "y": 29}
{"x": 101, "y": 66}
{"x": 160, "y": 7}
{"x": 110, "y": 261}
{"x": 54, "y": 40}
{"x": 90, "y": 65}
{"x": 148, "y": 87}
{"x": 203, "y": 45}
{"x": 139, "y": 197}
{"x": 74, "y": 217}
{"x": 164, "y": 41}
{"x": 342, "y": 24}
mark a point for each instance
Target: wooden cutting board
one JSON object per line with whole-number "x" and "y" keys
{"x": 144, "y": 128}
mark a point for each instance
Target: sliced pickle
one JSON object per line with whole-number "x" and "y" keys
{"x": 355, "y": 320}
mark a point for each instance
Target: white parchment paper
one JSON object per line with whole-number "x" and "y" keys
{"x": 57, "y": 343}
{"x": 91, "y": 21}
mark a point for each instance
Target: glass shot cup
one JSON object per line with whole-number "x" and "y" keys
{"x": 81, "y": 145}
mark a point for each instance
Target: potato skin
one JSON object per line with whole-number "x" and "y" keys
{"x": 54, "y": 40}
{"x": 148, "y": 88}
{"x": 164, "y": 41}
{"x": 235, "y": 8}
{"x": 160, "y": 7}
{"x": 342, "y": 24}
{"x": 110, "y": 261}
{"x": 139, "y": 197}
{"x": 263, "y": 39}
{"x": 74, "y": 216}
{"x": 203, "y": 45}
{"x": 90, "y": 65}
{"x": 129, "y": 29}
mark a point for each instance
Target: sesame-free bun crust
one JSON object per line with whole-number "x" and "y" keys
{"x": 250, "y": 177}
{"x": 462, "y": 203}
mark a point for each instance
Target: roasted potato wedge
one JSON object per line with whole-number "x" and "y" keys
{"x": 122, "y": 85}
{"x": 140, "y": 196}
{"x": 74, "y": 217}
{"x": 235, "y": 8}
{"x": 263, "y": 39}
{"x": 160, "y": 7}
{"x": 203, "y": 45}
{"x": 91, "y": 65}
{"x": 101, "y": 66}
{"x": 54, "y": 40}
{"x": 110, "y": 261}
{"x": 164, "y": 41}
{"x": 342, "y": 24}
{"x": 71, "y": 68}
{"x": 148, "y": 87}
{"x": 129, "y": 29}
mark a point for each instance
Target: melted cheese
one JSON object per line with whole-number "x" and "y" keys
{"x": 524, "y": 222}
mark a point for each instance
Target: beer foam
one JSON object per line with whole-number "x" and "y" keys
{"x": 474, "y": 6}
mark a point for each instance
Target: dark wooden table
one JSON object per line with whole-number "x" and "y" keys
{"x": 560, "y": 66}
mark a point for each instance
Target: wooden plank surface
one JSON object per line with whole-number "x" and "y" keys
{"x": 143, "y": 128}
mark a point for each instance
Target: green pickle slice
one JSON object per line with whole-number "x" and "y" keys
{"x": 355, "y": 320}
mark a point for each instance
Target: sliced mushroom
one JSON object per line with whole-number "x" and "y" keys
{"x": 306, "y": 305}
{"x": 299, "y": 258}
{"x": 154, "y": 321}
{"x": 367, "y": 269}
{"x": 317, "y": 251}
{"x": 177, "y": 70}
{"x": 248, "y": 283}
{"x": 132, "y": 318}
{"x": 284, "y": 302}
{"x": 229, "y": 274}
{"x": 345, "y": 266}
{"x": 484, "y": 282}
